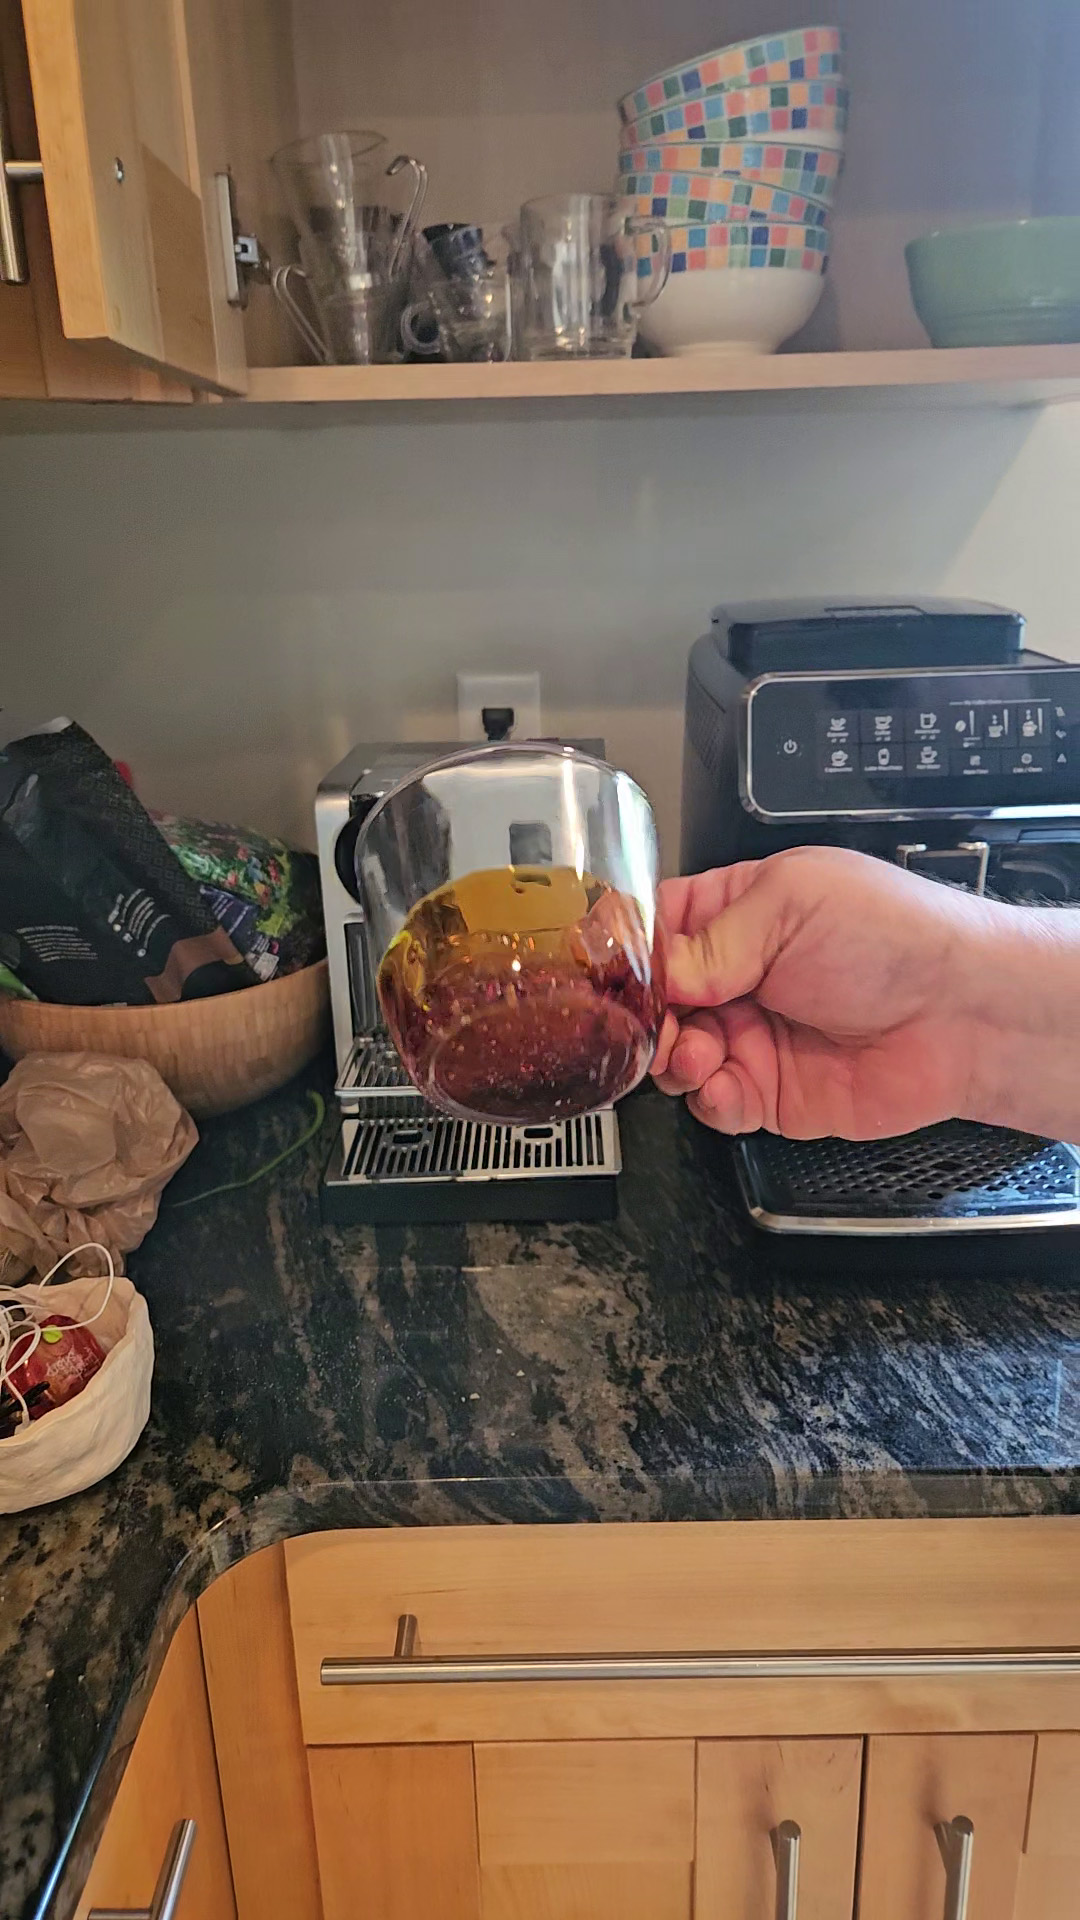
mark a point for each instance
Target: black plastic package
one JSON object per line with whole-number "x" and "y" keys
{"x": 95, "y": 909}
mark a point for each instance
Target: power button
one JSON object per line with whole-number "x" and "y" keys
{"x": 789, "y": 747}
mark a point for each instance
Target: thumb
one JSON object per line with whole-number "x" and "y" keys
{"x": 729, "y": 956}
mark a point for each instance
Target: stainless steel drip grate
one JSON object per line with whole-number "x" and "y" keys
{"x": 954, "y": 1176}
{"x": 432, "y": 1147}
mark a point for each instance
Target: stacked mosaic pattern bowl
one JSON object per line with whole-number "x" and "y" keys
{"x": 739, "y": 152}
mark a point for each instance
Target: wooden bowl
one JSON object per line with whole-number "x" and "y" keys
{"x": 216, "y": 1054}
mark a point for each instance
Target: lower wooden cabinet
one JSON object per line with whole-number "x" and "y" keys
{"x": 837, "y": 1798}
{"x": 171, "y": 1776}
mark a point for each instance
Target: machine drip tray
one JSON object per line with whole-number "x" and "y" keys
{"x": 953, "y": 1179}
{"x": 399, "y": 1162}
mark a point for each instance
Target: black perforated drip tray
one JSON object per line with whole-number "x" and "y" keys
{"x": 937, "y": 1180}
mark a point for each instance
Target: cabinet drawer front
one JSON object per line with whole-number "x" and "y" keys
{"x": 725, "y": 1587}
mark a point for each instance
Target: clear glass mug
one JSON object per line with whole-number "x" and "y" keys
{"x": 462, "y": 311}
{"x": 510, "y": 899}
{"x": 584, "y": 266}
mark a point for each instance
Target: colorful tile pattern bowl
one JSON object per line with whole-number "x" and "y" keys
{"x": 808, "y": 53}
{"x": 733, "y": 243}
{"x": 692, "y": 196}
{"x": 731, "y": 310}
{"x": 812, "y": 172}
{"x": 804, "y": 111}
{"x": 1009, "y": 283}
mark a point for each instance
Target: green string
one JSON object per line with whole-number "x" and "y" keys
{"x": 318, "y": 1109}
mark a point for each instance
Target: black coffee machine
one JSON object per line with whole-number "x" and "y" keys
{"x": 923, "y": 733}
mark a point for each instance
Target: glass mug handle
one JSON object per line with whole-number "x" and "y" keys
{"x": 286, "y": 299}
{"x": 648, "y": 288}
{"x": 415, "y": 342}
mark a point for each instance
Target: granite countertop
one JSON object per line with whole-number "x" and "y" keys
{"x": 657, "y": 1368}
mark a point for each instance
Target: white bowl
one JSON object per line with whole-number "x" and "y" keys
{"x": 731, "y": 310}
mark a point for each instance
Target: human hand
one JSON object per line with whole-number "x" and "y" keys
{"x": 822, "y": 991}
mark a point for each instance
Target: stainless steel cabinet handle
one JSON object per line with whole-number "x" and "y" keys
{"x": 12, "y": 172}
{"x": 404, "y": 1668}
{"x": 787, "y": 1841}
{"x": 956, "y": 1838}
{"x": 170, "y": 1881}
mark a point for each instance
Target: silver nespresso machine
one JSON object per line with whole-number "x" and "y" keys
{"x": 925, "y": 734}
{"x": 396, "y": 1159}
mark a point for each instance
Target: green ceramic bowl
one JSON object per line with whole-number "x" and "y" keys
{"x": 1013, "y": 283}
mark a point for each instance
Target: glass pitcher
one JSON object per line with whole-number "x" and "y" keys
{"x": 510, "y": 896}
{"x": 356, "y": 218}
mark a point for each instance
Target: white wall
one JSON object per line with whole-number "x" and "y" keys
{"x": 230, "y": 608}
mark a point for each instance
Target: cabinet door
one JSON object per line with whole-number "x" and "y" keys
{"x": 1050, "y": 1873}
{"x": 603, "y": 1829}
{"x": 747, "y": 1790}
{"x": 171, "y": 1776}
{"x": 117, "y": 133}
{"x": 914, "y": 1785}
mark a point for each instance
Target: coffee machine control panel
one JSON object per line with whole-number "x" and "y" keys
{"x": 878, "y": 744}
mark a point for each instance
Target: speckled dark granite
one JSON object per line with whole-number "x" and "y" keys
{"x": 654, "y": 1369}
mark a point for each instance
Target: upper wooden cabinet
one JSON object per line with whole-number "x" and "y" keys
{"x": 112, "y": 94}
{"x": 136, "y": 109}
{"x": 959, "y": 115}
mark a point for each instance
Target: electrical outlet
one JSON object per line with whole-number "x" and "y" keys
{"x": 475, "y": 691}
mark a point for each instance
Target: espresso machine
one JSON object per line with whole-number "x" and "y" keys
{"x": 396, "y": 1159}
{"x": 923, "y": 733}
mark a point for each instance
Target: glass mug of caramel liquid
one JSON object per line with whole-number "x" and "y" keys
{"x": 510, "y": 896}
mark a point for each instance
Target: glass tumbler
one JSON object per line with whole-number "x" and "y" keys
{"x": 585, "y": 266}
{"x": 510, "y": 899}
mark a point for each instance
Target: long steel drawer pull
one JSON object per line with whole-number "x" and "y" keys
{"x": 787, "y": 1841}
{"x": 956, "y": 1838}
{"x": 405, "y": 1668}
{"x": 12, "y": 173}
{"x": 170, "y": 1881}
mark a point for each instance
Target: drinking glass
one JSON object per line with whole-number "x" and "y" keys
{"x": 509, "y": 894}
{"x": 358, "y": 326}
{"x": 585, "y": 266}
{"x": 463, "y": 308}
{"x": 356, "y": 218}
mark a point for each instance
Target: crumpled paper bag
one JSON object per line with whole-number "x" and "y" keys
{"x": 86, "y": 1145}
